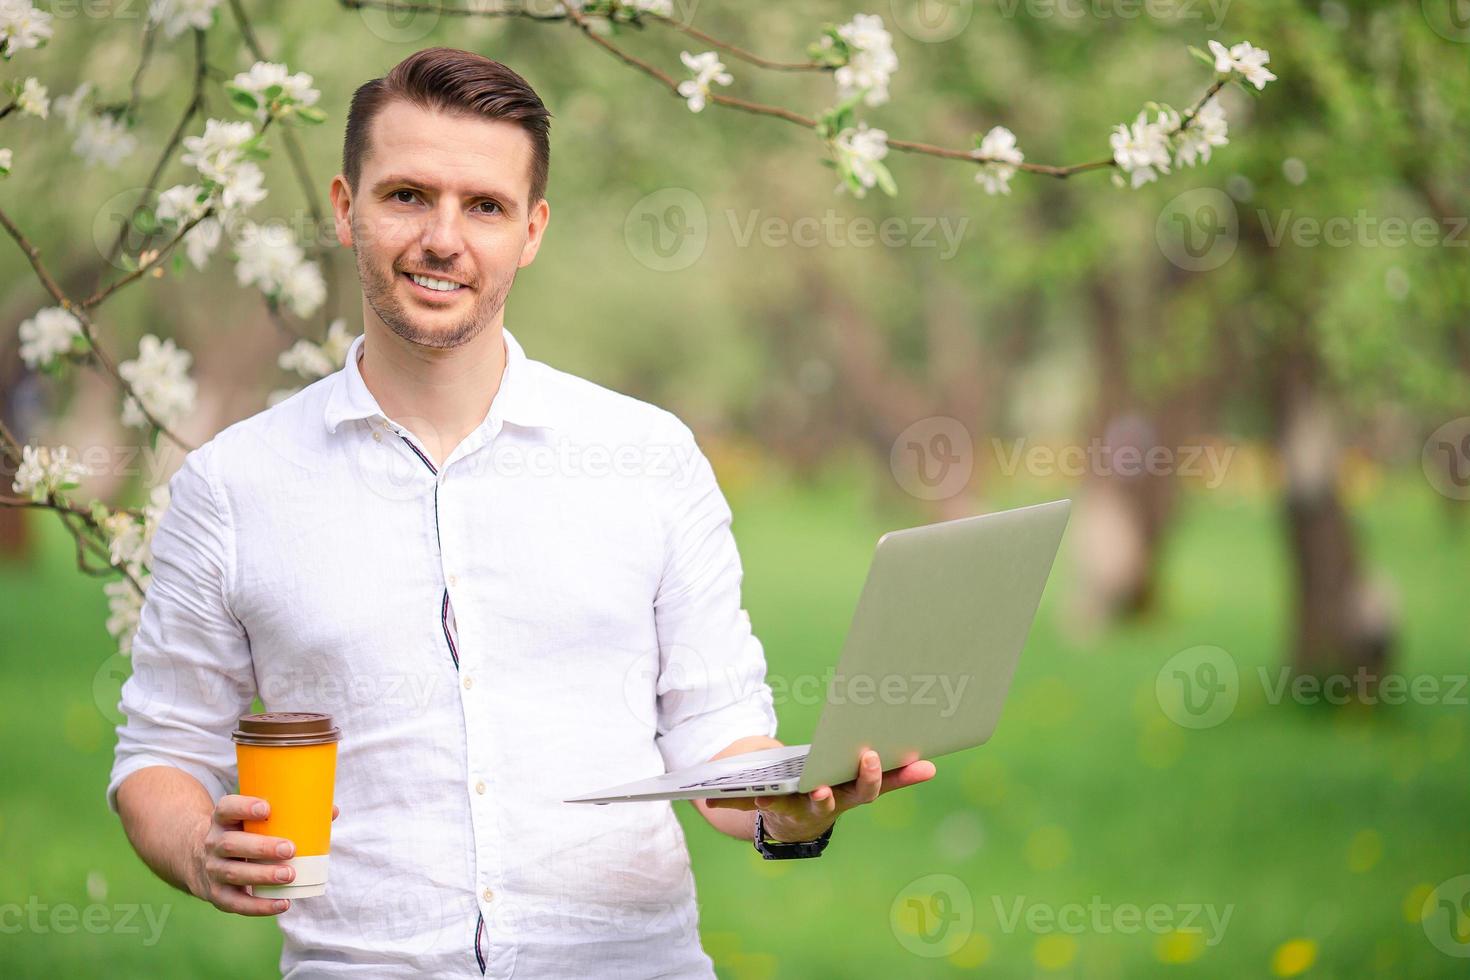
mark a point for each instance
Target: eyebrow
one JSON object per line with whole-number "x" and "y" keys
{"x": 505, "y": 200}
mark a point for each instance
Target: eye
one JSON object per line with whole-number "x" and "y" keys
{"x": 491, "y": 204}
{"x": 408, "y": 192}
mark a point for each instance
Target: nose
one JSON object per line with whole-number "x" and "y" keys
{"x": 442, "y": 235}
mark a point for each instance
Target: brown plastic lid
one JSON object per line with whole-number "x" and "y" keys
{"x": 286, "y": 728}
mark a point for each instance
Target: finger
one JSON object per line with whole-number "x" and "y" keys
{"x": 233, "y": 809}
{"x": 246, "y": 873}
{"x": 335, "y": 811}
{"x": 731, "y": 803}
{"x": 910, "y": 775}
{"x": 237, "y": 900}
{"x": 866, "y": 787}
{"x": 239, "y": 844}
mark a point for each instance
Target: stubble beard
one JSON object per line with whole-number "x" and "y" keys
{"x": 380, "y": 291}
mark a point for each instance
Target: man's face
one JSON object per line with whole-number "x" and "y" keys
{"x": 441, "y": 196}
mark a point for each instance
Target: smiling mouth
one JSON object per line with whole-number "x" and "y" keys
{"x": 433, "y": 286}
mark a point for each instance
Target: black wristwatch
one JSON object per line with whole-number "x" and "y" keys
{"x": 782, "y": 850}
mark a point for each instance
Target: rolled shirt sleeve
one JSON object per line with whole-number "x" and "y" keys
{"x": 192, "y": 673}
{"x": 712, "y": 686}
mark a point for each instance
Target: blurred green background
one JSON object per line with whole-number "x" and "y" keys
{"x": 1259, "y": 307}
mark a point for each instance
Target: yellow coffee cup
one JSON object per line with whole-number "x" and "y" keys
{"x": 289, "y": 759}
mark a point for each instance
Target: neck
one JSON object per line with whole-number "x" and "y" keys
{"x": 440, "y": 395}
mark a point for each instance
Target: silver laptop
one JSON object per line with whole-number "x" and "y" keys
{"x": 941, "y": 621}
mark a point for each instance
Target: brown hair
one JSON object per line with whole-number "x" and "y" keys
{"x": 451, "y": 80}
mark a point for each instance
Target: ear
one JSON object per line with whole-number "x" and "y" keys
{"x": 535, "y": 228}
{"x": 342, "y": 209}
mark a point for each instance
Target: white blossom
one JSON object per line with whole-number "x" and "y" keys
{"x": 124, "y": 605}
{"x": 296, "y": 89}
{"x": 306, "y": 359}
{"x": 1206, "y": 130}
{"x": 707, "y": 68}
{"x": 859, "y": 150}
{"x": 124, "y": 537}
{"x": 664, "y": 8}
{"x": 103, "y": 139}
{"x": 269, "y": 259}
{"x": 1001, "y": 153}
{"x": 69, "y": 107}
{"x": 265, "y": 256}
{"x": 43, "y": 471}
{"x": 304, "y": 289}
{"x": 22, "y": 26}
{"x": 219, "y": 151}
{"x": 180, "y": 204}
{"x": 872, "y": 60}
{"x": 201, "y": 241}
{"x": 243, "y": 187}
{"x": 319, "y": 360}
{"x": 177, "y": 16}
{"x": 1142, "y": 149}
{"x": 159, "y": 378}
{"x": 32, "y": 99}
{"x": 5, "y": 160}
{"x": 1244, "y": 60}
{"x": 48, "y": 334}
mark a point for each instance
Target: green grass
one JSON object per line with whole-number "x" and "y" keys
{"x": 1307, "y": 823}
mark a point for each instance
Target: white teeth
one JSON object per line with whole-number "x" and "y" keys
{"x": 443, "y": 285}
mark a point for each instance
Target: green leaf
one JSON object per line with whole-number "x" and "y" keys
{"x": 310, "y": 114}
{"x": 1203, "y": 56}
{"x": 885, "y": 179}
{"x": 243, "y": 100}
{"x": 145, "y": 221}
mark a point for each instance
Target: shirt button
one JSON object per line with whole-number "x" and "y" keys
{"x": 480, "y": 787}
{"x": 469, "y": 682}
{"x": 377, "y": 435}
{"x": 487, "y": 895}
{"x": 453, "y": 580}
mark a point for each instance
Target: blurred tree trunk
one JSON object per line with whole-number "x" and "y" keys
{"x": 1342, "y": 623}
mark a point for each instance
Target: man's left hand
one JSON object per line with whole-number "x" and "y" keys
{"x": 806, "y": 816}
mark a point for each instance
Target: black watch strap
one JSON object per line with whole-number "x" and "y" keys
{"x": 782, "y": 850}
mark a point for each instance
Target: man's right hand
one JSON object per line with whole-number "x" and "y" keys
{"x": 225, "y": 858}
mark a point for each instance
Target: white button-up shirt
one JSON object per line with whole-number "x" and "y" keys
{"x": 553, "y": 610}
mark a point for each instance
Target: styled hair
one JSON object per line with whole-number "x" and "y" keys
{"x": 451, "y": 80}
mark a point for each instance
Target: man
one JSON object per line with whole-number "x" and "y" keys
{"x": 506, "y": 584}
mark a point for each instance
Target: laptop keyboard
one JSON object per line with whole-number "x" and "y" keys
{"x": 762, "y": 774}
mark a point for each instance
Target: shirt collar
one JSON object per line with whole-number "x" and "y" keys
{"x": 517, "y": 401}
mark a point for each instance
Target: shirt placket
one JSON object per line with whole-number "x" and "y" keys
{"x": 477, "y": 753}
